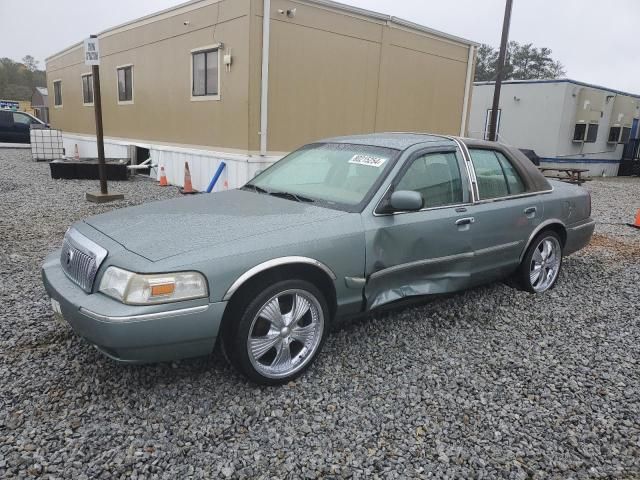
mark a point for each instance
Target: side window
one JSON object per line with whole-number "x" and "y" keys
{"x": 436, "y": 176}
{"x": 21, "y": 119}
{"x": 495, "y": 175}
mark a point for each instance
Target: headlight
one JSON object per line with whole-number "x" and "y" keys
{"x": 137, "y": 289}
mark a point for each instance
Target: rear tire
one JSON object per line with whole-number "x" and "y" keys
{"x": 541, "y": 264}
{"x": 279, "y": 333}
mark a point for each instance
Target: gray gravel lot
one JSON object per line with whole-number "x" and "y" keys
{"x": 490, "y": 383}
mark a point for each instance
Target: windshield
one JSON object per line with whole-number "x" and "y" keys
{"x": 334, "y": 173}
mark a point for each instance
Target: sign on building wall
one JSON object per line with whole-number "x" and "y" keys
{"x": 91, "y": 51}
{"x": 9, "y": 104}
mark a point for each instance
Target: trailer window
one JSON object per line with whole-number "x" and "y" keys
{"x": 125, "y": 84}
{"x": 57, "y": 93}
{"x": 625, "y": 135}
{"x": 87, "y": 89}
{"x": 592, "y": 133}
{"x": 205, "y": 73}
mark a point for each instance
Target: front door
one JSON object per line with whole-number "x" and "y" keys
{"x": 504, "y": 217}
{"x": 427, "y": 251}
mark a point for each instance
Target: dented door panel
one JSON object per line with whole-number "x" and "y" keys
{"x": 416, "y": 253}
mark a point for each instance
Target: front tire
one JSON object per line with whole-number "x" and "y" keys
{"x": 541, "y": 264}
{"x": 279, "y": 333}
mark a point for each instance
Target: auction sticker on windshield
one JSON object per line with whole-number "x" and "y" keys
{"x": 367, "y": 160}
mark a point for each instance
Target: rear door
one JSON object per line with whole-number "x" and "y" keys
{"x": 427, "y": 251}
{"x": 6, "y": 127}
{"x": 504, "y": 216}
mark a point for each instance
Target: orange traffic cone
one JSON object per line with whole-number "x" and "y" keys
{"x": 163, "y": 178}
{"x": 636, "y": 224}
{"x": 76, "y": 153}
{"x": 188, "y": 188}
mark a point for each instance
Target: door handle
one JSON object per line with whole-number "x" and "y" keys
{"x": 465, "y": 221}
{"x": 530, "y": 211}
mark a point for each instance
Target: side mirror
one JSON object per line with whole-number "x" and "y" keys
{"x": 402, "y": 200}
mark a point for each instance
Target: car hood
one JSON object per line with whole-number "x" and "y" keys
{"x": 159, "y": 230}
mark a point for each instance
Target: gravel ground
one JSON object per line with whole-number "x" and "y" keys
{"x": 491, "y": 383}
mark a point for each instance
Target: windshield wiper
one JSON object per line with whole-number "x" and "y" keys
{"x": 292, "y": 196}
{"x": 254, "y": 188}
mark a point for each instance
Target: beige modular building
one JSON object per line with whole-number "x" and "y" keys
{"x": 217, "y": 80}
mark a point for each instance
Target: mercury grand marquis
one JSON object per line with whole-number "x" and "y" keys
{"x": 336, "y": 228}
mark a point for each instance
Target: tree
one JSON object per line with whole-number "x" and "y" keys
{"x": 17, "y": 80}
{"x": 30, "y": 62}
{"x": 523, "y": 62}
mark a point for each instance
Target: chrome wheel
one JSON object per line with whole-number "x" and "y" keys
{"x": 545, "y": 264}
{"x": 285, "y": 333}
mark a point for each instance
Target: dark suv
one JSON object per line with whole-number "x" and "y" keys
{"x": 15, "y": 126}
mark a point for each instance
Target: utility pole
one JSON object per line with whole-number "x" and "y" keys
{"x": 92, "y": 57}
{"x": 493, "y": 125}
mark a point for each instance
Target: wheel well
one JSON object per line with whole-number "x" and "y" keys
{"x": 559, "y": 229}
{"x": 300, "y": 271}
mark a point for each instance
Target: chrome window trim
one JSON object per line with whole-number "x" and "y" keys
{"x": 471, "y": 171}
{"x": 275, "y": 262}
{"x": 143, "y": 317}
{"x": 509, "y": 197}
{"x": 419, "y": 263}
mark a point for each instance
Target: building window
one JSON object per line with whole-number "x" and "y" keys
{"x": 614, "y": 135}
{"x": 579, "y": 131}
{"x": 487, "y": 124}
{"x": 205, "y": 74}
{"x": 125, "y": 84}
{"x": 87, "y": 89}
{"x": 57, "y": 93}
{"x": 626, "y": 133}
{"x": 592, "y": 133}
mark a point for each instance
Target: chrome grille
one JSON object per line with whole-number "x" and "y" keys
{"x": 80, "y": 259}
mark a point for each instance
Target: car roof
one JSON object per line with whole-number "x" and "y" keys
{"x": 396, "y": 140}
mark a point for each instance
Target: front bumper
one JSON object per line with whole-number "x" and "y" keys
{"x": 134, "y": 334}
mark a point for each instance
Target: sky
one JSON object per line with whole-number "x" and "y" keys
{"x": 597, "y": 41}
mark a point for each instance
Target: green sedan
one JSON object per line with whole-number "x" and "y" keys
{"x": 334, "y": 229}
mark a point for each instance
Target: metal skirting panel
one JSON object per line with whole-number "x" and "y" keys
{"x": 202, "y": 163}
